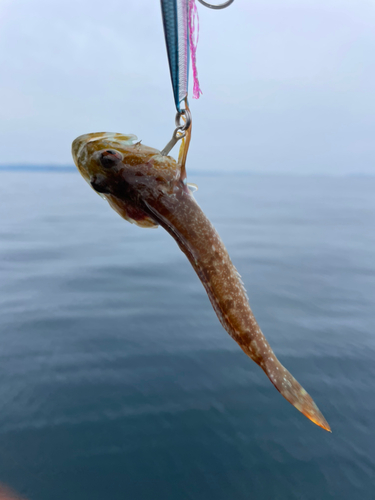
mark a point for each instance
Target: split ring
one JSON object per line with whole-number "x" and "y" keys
{"x": 186, "y": 113}
{"x": 220, "y": 6}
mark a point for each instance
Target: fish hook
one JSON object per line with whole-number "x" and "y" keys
{"x": 220, "y": 6}
{"x": 180, "y": 130}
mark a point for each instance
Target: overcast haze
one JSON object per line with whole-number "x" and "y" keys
{"x": 288, "y": 86}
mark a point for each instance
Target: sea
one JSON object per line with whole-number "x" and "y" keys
{"x": 117, "y": 381}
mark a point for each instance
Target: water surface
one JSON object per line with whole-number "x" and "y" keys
{"x": 117, "y": 380}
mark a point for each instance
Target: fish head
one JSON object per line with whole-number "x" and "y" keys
{"x": 125, "y": 172}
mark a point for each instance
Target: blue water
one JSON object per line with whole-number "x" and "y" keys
{"x": 117, "y": 380}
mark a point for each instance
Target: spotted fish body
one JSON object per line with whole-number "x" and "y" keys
{"x": 147, "y": 189}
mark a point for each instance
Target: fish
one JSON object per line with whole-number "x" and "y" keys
{"x": 150, "y": 190}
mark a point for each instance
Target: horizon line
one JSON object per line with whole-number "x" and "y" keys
{"x": 72, "y": 168}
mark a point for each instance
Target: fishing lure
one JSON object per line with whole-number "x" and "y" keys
{"x": 181, "y": 31}
{"x": 180, "y": 22}
{"x": 149, "y": 189}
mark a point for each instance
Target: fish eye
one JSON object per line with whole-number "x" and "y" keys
{"x": 110, "y": 157}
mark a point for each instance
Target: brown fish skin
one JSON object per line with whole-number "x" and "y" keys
{"x": 7, "y": 494}
{"x": 146, "y": 188}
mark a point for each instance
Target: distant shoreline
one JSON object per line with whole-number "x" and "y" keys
{"x": 37, "y": 168}
{"x": 72, "y": 168}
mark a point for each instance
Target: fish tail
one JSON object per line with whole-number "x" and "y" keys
{"x": 292, "y": 391}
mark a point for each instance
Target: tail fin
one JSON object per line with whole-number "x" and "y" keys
{"x": 293, "y": 392}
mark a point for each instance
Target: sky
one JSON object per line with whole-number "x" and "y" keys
{"x": 288, "y": 86}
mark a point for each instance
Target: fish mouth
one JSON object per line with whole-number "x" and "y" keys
{"x": 79, "y": 145}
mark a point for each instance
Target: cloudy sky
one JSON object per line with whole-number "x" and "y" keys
{"x": 288, "y": 86}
